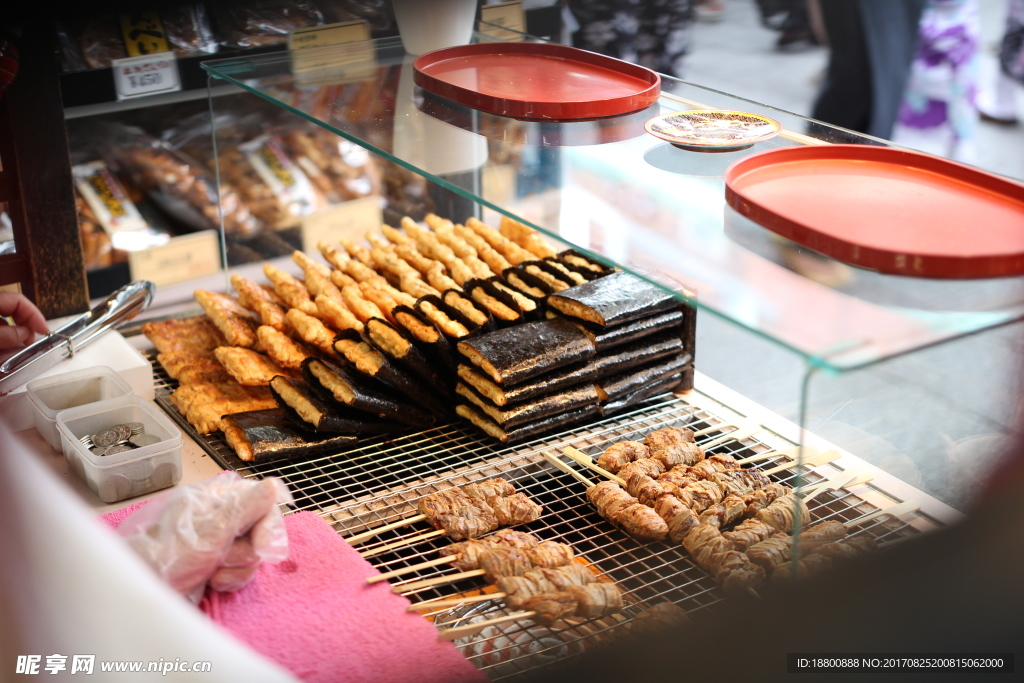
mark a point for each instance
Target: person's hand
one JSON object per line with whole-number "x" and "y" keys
{"x": 27, "y": 320}
{"x": 212, "y": 532}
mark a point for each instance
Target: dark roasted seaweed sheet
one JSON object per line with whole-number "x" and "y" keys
{"x": 537, "y": 428}
{"x": 334, "y": 417}
{"x": 272, "y": 435}
{"x": 640, "y": 395}
{"x": 570, "y": 255}
{"x": 614, "y": 299}
{"x": 625, "y": 383}
{"x": 611, "y": 337}
{"x": 440, "y": 351}
{"x": 366, "y": 397}
{"x": 524, "y": 351}
{"x": 503, "y": 297}
{"x": 414, "y": 359}
{"x": 535, "y": 409}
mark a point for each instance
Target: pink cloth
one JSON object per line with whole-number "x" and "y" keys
{"x": 315, "y": 615}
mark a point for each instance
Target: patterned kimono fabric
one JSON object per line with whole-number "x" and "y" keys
{"x": 939, "y": 113}
{"x": 1000, "y": 104}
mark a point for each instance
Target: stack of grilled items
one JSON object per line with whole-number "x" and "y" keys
{"x": 478, "y": 508}
{"x": 606, "y": 345}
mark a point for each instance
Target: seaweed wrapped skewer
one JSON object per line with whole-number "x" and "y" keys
{"x": 557, "y": 280}
{"x": 581, "y": 263}
{"x": 613, "y": 337}
{"x": 533, "y": 409}
{"x": 629, "y": 382}
{"x": 641, "y": 394}
{"x": 366, "y": 359}
{"x": 261, "y": 435}
{"x": 502, "y": 306}
{"x": 470, "y": 309}
{"x": 427, "y": 335}
{"x": 516, "y": 354}
{"x": 453, "y": 324}
{"x": 300, "y": 403}
{"x": 339, "y": 383}
{"x": 527, "y": 284}
{"x": 400, "y": 348}
{"x": 613, "y": 300}
{"x": 525, "y": 431}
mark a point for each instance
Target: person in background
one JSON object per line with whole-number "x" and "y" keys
{"x": 651, "y": 33}
{"x": 938, "y": 114}
{"x": 997, "y": 103}
{"x": 20, "y": 320}
{"x": 872, "y": 48}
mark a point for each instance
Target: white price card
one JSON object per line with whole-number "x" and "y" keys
{"x": 146, "y": 75}
{"x": 185, "y": 257}
{"x": 350, "y": 220}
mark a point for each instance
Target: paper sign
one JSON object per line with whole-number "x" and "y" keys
{"x": 143, "y": 33}
{"x": 496, "y": 20}
{"x": 183, "y": 258}
{"x": 145, "y": 75}
{"x": 313, "y": 59}
{"x": 351, "y": 220}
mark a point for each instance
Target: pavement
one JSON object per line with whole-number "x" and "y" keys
{"x": 940, "y": 418}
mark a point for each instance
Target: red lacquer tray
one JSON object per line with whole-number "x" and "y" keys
{"x": 537, "y": 81}
{"x": 890, "y": 210}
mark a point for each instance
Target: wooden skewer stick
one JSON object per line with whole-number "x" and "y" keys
{"x": 737, "y": 435}
{"x": 472, "y": 629}
{"x": 366, "y": 535}
{"x": 784, "y": 453}
{"x": 809, "y": 461}
{"x": 412, "y": 568}
{"x": 585, "y": 460}
{"x": 896, "y": 511}
{"x": 842, "y": 479}
{"x": 453, "y": 602}
{"x": 568, "y": 470}
{"x": 436, "y": 581}
{"x": 721, "y": 426}
{"x": 404, "y": 542}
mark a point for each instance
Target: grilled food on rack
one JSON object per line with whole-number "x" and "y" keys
{"x": 620, "y": 454}
{"x": 248, "y": 367}
{"x": 667, "y": 436}
{"x": 782, "y": 512}
{"x": 479, "y": 510}
{"x": 518, "y": 589}
{"x": 776, "y": 550}
{"x": 618, "y": 507}
{"x": 237, "y": 324}
{"x": 467, "y": 554}
{"x": 656, "y": 620}
{"x": 591, "y": 601}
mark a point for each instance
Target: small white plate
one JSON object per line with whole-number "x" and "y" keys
{"x": 712, "y": 131}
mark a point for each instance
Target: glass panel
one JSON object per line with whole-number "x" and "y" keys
{"x": 610, "y": 189}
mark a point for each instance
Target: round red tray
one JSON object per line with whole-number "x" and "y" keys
{"x": 885, "y": 209}
{"x": 537, "y": 81}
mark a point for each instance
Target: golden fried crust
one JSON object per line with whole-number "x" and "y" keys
{"x": 512, "y": 252}
{"x": 281, "y": 348}
{"x": 524, "y": 302}
{"x": 427, "y": 242}
{"x": 236, "y": 438}
{"x": 497, "y": 309}
{"x": 233, "y": 321}
{"x": 439, "y": 280}
{"x": 360, "y": 272}
{"x": 307, "y": 264}
{"x": 260, "y": 301}
{"x": 311, "y": 330}
{"x": 177, "y": 336}
{"x": 360, "y": 307}
{"x": 334, "y": 254}
{"x": 387, "y": 260}
{"x": 204, "y": 404}
{"x": 450, "y": 327}
{"x": 378, "y": 297}
{"x": 358, "y": 251}
{"x": 293, "y": 292}
{"x": 411, "y": 255}
{"x": 495, "y": 261}
{"x": 336, "y": 315}
{"x": 189, "y": 368}
{"x": 526, "y": 237}
{"x": 415, "y": 287}
{"x": 248, "y": 367}
{"x": 461, "y": 272}
{"x": 395, "y": 235}
{"x": 550, "y": 280}
{"x": 465, "y": 307}
{"x": 340, "y": 279}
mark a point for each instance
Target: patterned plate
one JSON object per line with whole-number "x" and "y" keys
{"x": 712, "y": 131}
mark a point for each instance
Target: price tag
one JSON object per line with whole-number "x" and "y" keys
{"x": 350, "y": 220}
{"x": 146, "y": 75}
{"x": 315, "y": 61}
{"x": 497, "y": 20}
{"x": 183, "y": 258}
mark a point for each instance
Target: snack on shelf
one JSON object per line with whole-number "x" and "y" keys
{"x": 339, "y": 383}
{"x": 304, "y": 406}
{"x": 265, "y": 22}
{"x": 535, "y": 409}
{"x": 109, "y": 205}
{"x": 97, "y": 251}
{"x": 248, "y": 367}
{"x": 526, "y": 431}
{"x": 516, "y": 354}
{"x": 612, "y": 300}
{"x": 340, "y": 169}
{"x": 269, "y": 434}
{"x": 204, "y": 404}
{"x": 237, "y": 324}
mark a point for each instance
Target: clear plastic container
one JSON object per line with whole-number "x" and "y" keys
{"x": 50, "y": 395}
{"x": 123, "y": 475}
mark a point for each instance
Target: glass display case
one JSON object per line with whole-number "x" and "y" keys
{"x": 912, "y": 381}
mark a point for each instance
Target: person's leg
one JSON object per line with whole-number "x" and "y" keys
{"x": 663, "y": 35}
{"x": 608, "y": 27}
{"x": 845, "y": 99}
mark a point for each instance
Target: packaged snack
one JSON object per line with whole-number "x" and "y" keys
{"x": 112, "y": 208}
{"x": 263, "y": 22}
{"x": 340, "y": 169}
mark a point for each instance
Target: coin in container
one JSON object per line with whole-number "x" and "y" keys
{"x": 124, "y": 432}
{"x": 136, "y": 427}
{"x": 106, "y": 438}
{"x": 96, "y": 450}
{"x": 119, "y": 448}
{"x": 140, "y": 440}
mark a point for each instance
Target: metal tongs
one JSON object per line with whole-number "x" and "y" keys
{"x": 33, "y": 360}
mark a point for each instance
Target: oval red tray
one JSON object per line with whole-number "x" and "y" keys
{"x": 885, "y": 209}
{"x": 537, "y": 81}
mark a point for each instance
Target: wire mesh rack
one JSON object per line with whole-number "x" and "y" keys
{"x": 378, "y": 483}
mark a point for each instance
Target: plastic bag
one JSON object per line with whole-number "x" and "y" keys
{"x": 263, "y": 22}
{"x": 214, "y": 532}
{"x": 341, "y": 169}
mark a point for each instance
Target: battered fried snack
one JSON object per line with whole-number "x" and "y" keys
{"x": 191, "y": 367}
{"x": 427, "y": 242}
{"x": 302, "y": 404}
{"x": 525, "y": 303}
{"x": 341, "y": 384}
{"x": 573, "y": 276}
{"x": 174, "y": 336}
{"x": 396, "y": 236}
{"x": 539, "y": 270}
{"x": 396, "y": 346}
{"x": 439, "y": 280}
{"x": 372, "y": 363}
{"x": 388, "y": 261}
{"x": 359, "y": 271}
{"x": 248, "y": 367}
{"x": 484, "y": 294}
{"x": 340, "y": 279}
{"x": 269, "y": 434}
{"x": 526, "y": 237}
{"x": 526, "y": 431}
{"x": 485, "y": 252}
{"x": 335, "y": 314}
{"x": 281, "y": 348}
{"x": 360, "y": 307}
{"x": 516, "y": 354}
{"x": 261, "y": 302}
{"x": 408, "y": 252}
{"x": 451, "y": 328}
{"x": 535, "y": 409}
{"x": 358, "y": 251}
{"x": 527, "y": 284}
{"x": 511, "y": 251}
{"x": 416, "y": 287}
{"x": 334, "y": 254}
{"x": 466, "y": 307}
{"x": 234, "y": 322}
{"x": 318, "y": 276}
{"x": 291, "y": 291}
{"x": 204, "y": 404}
{"x": 379, "y": 297}
{"x": 311, "y": 330}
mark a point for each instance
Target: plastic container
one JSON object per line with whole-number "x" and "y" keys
{"x": 123, "y": 475}
{"x": 50, "y": 395}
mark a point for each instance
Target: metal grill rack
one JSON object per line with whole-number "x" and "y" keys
{"x": 378, "y": 483}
